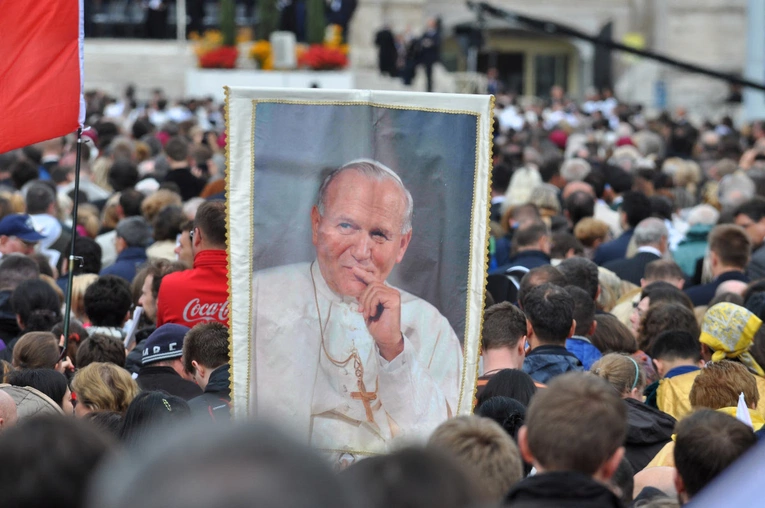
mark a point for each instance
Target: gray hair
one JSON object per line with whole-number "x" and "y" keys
{"x": 650, "y": 232}
{"x": 375, "y": 171}
{"x": 135, "y": 231}
{"x": 735, "y": 189}
{"x": 703, "y": 214}
{"x": 575, "y": 170}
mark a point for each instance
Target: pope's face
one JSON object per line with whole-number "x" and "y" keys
{"x": 361, "y": 227}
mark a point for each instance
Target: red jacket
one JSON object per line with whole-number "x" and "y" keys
{"x": 199, "y": 295}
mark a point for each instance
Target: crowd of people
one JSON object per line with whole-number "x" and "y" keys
{"x": 622, "y": 350}
{"x": 399, "y": 54}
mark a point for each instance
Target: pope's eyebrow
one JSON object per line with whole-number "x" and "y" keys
{"x": 380, "y": 231}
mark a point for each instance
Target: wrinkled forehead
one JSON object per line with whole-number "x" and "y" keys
{"x": 353, "y": 185}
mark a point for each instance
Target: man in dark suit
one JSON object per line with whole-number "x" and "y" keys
{"x": 635, "y": 208}
{"x": 430, "y": 49}
{"x": 651, "y": 237}
{"x": 531, "y": 248}
{"x": 729, "y": 248}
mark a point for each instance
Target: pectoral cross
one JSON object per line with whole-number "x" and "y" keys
{"x": 366, "y": 398}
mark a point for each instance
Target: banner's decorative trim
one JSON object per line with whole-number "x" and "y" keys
{"x": 227, "y": 123}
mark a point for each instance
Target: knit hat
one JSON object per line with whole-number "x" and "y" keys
{"x": 165, "y": 343}
{"x": 728, "y": 329}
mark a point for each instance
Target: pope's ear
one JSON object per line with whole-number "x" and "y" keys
{"x": 315, "y": 219}
{"x": 405, "y": 239}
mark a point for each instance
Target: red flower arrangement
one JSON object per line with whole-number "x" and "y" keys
{"x": 222, "y": 57}
{"x": 322, "y": 58}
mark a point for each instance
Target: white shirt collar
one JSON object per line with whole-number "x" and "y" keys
{"x": 648, "y": 248}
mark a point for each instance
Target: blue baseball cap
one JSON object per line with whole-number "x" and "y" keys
{"x": 19, "y": 225}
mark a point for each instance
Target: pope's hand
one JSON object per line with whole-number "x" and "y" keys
{"x": 381, "y": 307}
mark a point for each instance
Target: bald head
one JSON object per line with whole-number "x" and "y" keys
{"x": 8, "y": 414}
{"x": 573, "y": 187}
{"x": 731, "y": 286}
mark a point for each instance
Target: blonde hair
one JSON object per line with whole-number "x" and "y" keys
{"x": 87, "y": 216}
{"x": 109, "y": 216}
{"x": 545, "y": 196}
{"x": 79, "y": 284}
{"x": 621, "y": 371}
{"x": 484, "y": 450}
{"x": 104, "y": 387}
{"x": 153, "y": 204}
{"x": 588, "y": 230}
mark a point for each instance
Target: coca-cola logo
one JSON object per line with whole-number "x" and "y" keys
{"x": 196, "y": 311}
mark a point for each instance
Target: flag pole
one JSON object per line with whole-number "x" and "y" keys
{"x": 73, "y": 261}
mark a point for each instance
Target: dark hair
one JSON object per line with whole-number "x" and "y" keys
{"x": 512, "y": 383}
{"x": 149, "y": 410}
{"x": 597, "y": 180}
{"x": 676, "y": 345}
{"x": 107, "y": 301}
{"x": 48, "y": 381}
{"x": 636, "y": 206}
{"x": 39, "y": 197}
{"x": 579, "y": 205}
{"x": 42, "y": 263}
{"x": 562, "y": 242}
{"x": 130, "y": 201}
{"x": 661, "y": 291}
{"x": 36, "y": 304}
{"x": 550, "y": 309}
{"x": 613, "y": 336}
{"x": 549, "y": 168}
{"x": 77, "y": 334}
{"x": 411, "y": 477}
{"x": 503, "y": 326}
{"x": 90, "y": 252}
{"x": 110, "y": 422}
{"x": 36, "y": 350}
{"x": 100, "y": 348}
{"x": 731, "y": 244}
{"x": 177, "y": 149}
{"x": 754, "y": 209}
{"x": 624, "y": 480}
{"x": 122, "y": 175}
{"x": 506, "y": 411}
{"x": 619, "y": 180}
{"x": 207, "y": 344}
{"x": 584, "y": 310}
{"x": 500, "y": 177}
{"x": 49, "y": 460}
{"x": 529, "y": 234}
{"x": 582, "y": 273}
{"x": 537, "y": 276}
{"x": 211, "y": 220}
{"x": 167, "y": 223}
{"x": 663, "y": 269}
{"x": 662, "y": 317}
{"x": 23, "y": 171}
{"x": 707, "y": 443}
{"x": 16, "y": 268}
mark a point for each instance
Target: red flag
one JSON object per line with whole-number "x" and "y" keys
{"x": 40, "y": 71}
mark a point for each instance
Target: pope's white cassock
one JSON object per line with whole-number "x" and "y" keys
{"x": 320, "y": 393}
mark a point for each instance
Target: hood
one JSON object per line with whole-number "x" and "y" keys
{"x": 561, "y": 488}
{"x": 219, "y": 381}
{"x": 31, "y": 402}
{"x": 646, "y": 425}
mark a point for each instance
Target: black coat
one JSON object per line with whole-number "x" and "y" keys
{"x": 152, "y": 378}
{"x": 704, "y": 293}
{"x": 648, "y": 430}
{"x": 561, "y": 489}
{"x": 215, "y": 401}
{"x": 631, "y": 269}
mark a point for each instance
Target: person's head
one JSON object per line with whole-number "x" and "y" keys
{"x": 532, "y": 236}
{"x": 729, "y": 248}
{"x": 506, "y": 411}
{"x": 635, "y": 208}
{"x": 727, "y": 332}
{"x": 48, "y": 381}
{"x": 731, "y": 287}
{"x": 123, "y": 174}
{"x": 150, "y": 410}
{"x": 623, "y": 373}
{"x": 513, "y": 383}
{"x": 612, "y": 336}
{"x": 80, "y": 284}
{"x": 177, "y": 150}
{"x": 484, "y": 449}
{"x": 735, "y": 190}
{"x": 164, "y": 347}
{"x": 545, "y": 197}
{"x": 41, "y": 199}
{"x": 651, "y": 232}
{"x": 579, "y": 205}
{"x": 130, "y": 201}
{"x": 36, "y": 350}
{"x": 584, "y": 311}
{"x": 154, "y": 271}
{"x": 18, "y": 234}
{"x": 205, "y": 348}
{"x": 591, "y": 232}
{"x": 362, "y": 225}
{"x": 15, "y": 269}
{"x": 49, "y": 461}
{"x": 8, "y": 413}
{"x": 152, "y": 205}
{"x": 167, "y": 223}
{"x": 412, "y": 477}
{"x": 577, "y": 424}
{"x": 582, "y": 273}
{"x": 661, "y": 317}
{"x": 538, "y": 276}
{"x": 183, "y": 249}
{"x": 673, "y": 348}
{"x": 107, "y": 301}
{"x": 22, "y": 172}
{"x": 575, "y": 170}
{"x": 719, "y": 385}
{"x": 751, "y": 217}
{"x": 77, "y": 334}
{"x": 103, "y": 387}
{"x": 654, "y": 293}
{"x": 565, "y": 245}
{"x": 100, "y": 348}
{"x": 109, "y": 422}
{"x": 663, "y": 270}
{"x": 209, "y": 231}
{"x": 504, "y": 333}
{"x": 133, "y": 232}
{"x": 706, "y": 443}
{"x": 90, "y": 252}
{"x": 550, "y": 313}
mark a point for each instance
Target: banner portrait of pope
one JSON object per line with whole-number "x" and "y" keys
{"x": 358, "y": 245}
